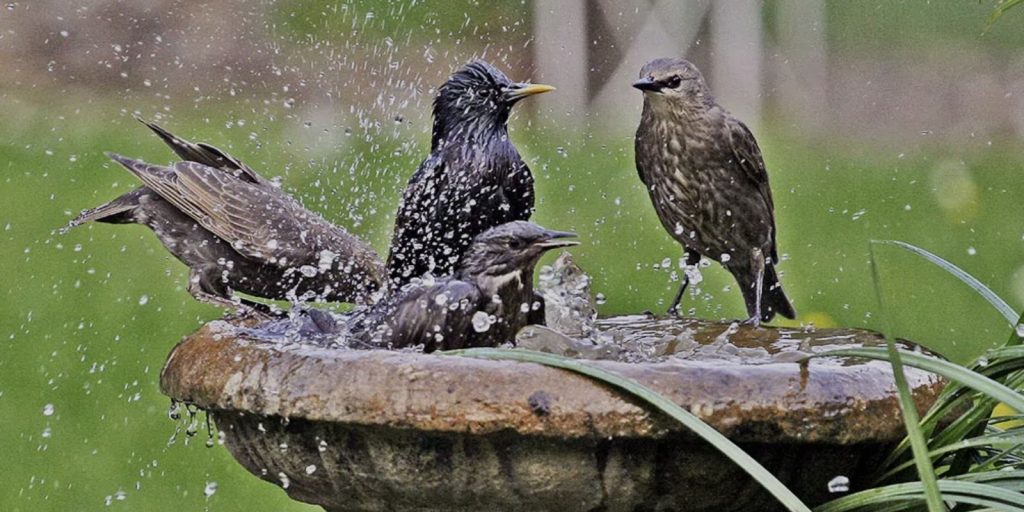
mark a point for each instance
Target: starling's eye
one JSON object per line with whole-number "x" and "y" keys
{"x": 516, "y": 244}
{"x": 673, "y": 82}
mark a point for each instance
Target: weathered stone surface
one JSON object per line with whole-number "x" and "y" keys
{"x": 408, "y": 431}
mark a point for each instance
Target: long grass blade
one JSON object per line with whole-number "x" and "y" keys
{"x": 949, "y": 370}
{"x": 975, "y": 442}
{"x": 995, "y": 300}
{"x": 1001, "y": 8}
{"x": 918, "y": 445}
{"x": 904, "y": 496}
{"x": 712, "y": 436}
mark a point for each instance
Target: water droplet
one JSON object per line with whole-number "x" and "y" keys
{"x": 693, "y": 274}
{"x": 48, "y": 410}
{"x": 143, "y": 300}
{"x": 839, "y": 484}
{"x": 600, "y": 298}
{"x": 210, "y": 489}
{"x": 481, "y": 321}
{"x": 971, "y": 251}
{"x": 174, "y": 411}
{"x": 1020, "y": 330}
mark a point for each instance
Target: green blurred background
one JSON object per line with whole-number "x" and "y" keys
{"x": 920, "y": 140}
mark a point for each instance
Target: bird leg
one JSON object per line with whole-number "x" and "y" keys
{"x": 758, "y": 260}
{"x": 692, "y": 258}
{"x": 245, "y": 308}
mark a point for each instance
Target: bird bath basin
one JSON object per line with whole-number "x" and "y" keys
{"x": 382, "y": 430}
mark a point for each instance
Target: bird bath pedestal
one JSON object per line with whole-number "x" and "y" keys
{"x": 382, "y": 431}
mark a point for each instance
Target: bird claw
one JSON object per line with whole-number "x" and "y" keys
{"x": 246, "y": 314}
{"x": 674, "y": 312}
{"x": 754, "y": 321}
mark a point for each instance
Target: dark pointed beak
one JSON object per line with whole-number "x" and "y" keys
{"x": 555, "y": 239}
{"x": 646, "y": 84}
{"x": 516, "y": 92}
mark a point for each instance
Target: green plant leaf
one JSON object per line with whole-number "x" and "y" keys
{"x": 918, "y": 445}
{"x": 951, "y": 371}
{"x": 974, "y": 442}
{"x": 1001, "y": 8}
{"x": 712, "y": 436}
{"x": 995, "y": 300}
{"x": 904, "y": 496}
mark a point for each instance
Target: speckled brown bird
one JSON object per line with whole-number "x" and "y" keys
{"x": 707, "y": 180}
{"x": 238, "y": 232}
{"x": 473, "y": 180}
{"x": 484, "y": 304}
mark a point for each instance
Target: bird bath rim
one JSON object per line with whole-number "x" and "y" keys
{"x": 825, "y": 400}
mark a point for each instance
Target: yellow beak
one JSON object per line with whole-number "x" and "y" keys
{"x": 520, "y": 91}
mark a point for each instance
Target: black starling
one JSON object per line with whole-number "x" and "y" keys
{"x": 707, "y": 180}
{"x": 238, "y": 232}
{"x": 473, "y": 180}
{"x": 485, "y": 302}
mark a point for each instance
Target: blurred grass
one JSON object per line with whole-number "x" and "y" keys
{"x": 87, "y": 318}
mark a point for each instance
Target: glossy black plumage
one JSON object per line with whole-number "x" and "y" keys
{"x": 708, "y": 182}
{"x": 237, "y": 232}
{"x": 473, "y": 180}
{"x": 492, "y": 285}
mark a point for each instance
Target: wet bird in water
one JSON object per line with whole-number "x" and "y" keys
{"x": 473, "y": 180}
{"x": 485, "y": 302}
{"x": 238, "y": 232}
{"x": 707, "y": 180}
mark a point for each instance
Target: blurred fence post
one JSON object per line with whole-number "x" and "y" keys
{"x": 802, "y": 78}
{"x": 736, "y": 44}
{"x": 560, "y": 50}
{"x": 573, "y": 37}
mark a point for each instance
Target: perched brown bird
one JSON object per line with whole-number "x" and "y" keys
{"x": 473, "y": 180}
{"x": 238, "y": 232}
{"x": 486, "y": 301}
{"x": 707, "y": 180}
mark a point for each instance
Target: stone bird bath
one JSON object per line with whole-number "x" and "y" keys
{"x": 381, "y": 431}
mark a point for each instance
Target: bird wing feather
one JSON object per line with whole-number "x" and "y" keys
{"x": 418, "y": 315}
{"x": 638, "y": 152}
{"x": 747, "y": 154}
{"x": 254, "y": 220}
{"x": 205, "y": 154}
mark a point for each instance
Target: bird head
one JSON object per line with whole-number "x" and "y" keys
{"x": 510, "y": 251}
{"x": 674, "y": 81}
{"x": 478, "y": 97}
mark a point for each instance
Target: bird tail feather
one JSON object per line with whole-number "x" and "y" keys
{"x": 201, "y": 153}
{"x": 119, "y": 211}
{"x": 773, "y": 299}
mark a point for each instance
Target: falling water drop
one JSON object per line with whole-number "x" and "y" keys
{"x": 481, "y": 321}
{"x": 839, "y": 484}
